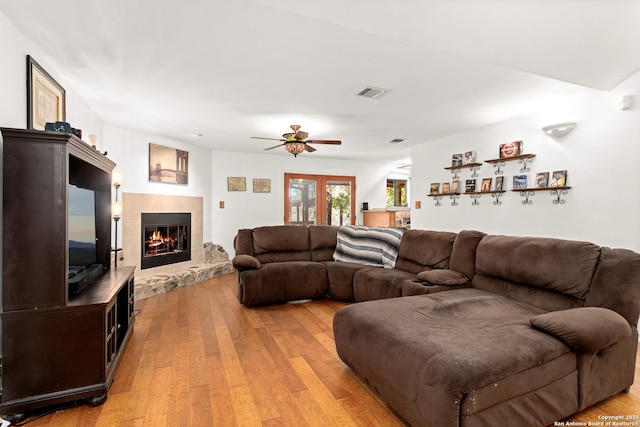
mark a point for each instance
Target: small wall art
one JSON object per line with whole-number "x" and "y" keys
{"x": 236, "y": 183}
{"x": 168, "y": 165}
{"x": 261, "y": 185}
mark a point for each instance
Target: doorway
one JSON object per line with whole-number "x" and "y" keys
{"x": 319, "y": 199}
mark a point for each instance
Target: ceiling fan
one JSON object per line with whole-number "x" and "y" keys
{"x": 296, "y": 142}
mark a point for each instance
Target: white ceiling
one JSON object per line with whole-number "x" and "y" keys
{"x": 231, "y": 69}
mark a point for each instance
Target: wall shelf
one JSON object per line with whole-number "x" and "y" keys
{"x": 523, "y": 159}
{"x": 455, "y": 170}
{"x": 557, "y": 192}
{"x": 438, "y": 197}
{"x": 475, "y": 195}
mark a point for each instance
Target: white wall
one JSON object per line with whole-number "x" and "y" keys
{"x": 247, "y": 209}
{"x": 601, "y": 157}
{"x": 130, "y": 150}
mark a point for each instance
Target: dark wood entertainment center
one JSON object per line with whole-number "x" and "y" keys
{"x": 56, "y": 347}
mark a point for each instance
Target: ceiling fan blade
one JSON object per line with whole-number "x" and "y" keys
{"x": 309, "y": 148}
{"x": 301, "y": 135}
{"x": 269, "y": 139}
{"x": 325, "y": 141}
{"x": 275, "y": 146}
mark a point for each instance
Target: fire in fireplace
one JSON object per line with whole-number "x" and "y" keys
{"x": 166, "y": 239}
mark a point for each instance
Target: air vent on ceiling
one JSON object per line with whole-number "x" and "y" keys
{"x": 373, "y": 92}
{"x": 395, "y": 141}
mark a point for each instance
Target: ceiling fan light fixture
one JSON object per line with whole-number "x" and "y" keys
{"x": 294, "y": 147}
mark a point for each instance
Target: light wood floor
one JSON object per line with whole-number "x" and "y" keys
{"x": 198, "y": 358}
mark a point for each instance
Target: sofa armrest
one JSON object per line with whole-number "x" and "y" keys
{"x": 584, "y": 329}
{"x": 245, "y": 262}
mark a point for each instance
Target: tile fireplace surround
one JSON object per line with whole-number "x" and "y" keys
{"x": 207, "y": 260}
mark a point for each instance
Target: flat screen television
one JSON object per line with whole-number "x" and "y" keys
{"x": 81, "y": 232}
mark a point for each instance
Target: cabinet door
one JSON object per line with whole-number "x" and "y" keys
{"x": 34, "y": 225}
{"x": 59, "y": 349}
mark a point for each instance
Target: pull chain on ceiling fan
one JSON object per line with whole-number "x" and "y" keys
{"x": 296, "y": 142}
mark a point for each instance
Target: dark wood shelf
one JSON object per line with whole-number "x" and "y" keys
{"x": 509, "y": 159}
{"x": 468, "y": 165}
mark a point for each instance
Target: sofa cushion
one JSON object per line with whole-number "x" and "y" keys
{"x": 323, "y": 240}
{"x": 378, "y": 283}
{"x": 463, "y": 252}
{"x": 424, "y": 249}
{"x": 562, "y": 266}
{"x": 584, "y": 329}
{"x": 281, "y": 243}
{"x": 443, "y": 276}
{"x": 375, "y": 246}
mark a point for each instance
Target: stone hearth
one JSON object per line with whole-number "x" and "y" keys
{"x": 216, "y": 263}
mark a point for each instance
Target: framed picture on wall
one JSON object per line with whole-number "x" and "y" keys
{"x": 45, "y": 97}
{"x": 236, "y": 183}
{"x": 168, "y": 165}
{"x": 261, "y": 185}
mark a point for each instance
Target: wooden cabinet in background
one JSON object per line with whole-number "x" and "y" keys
{"x": 386, "y": 218}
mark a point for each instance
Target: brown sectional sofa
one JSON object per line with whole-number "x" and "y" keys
{"x": 542, "y": 329}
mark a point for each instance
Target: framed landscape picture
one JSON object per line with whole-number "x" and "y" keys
{"x": 45, "y": 97}
{"x": 434, "y": 188}
{"x": 542, "y": 179}
{"x": 559, "y": 178}
{"x": 168, "y": 165}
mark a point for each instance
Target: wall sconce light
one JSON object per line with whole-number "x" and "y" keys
{"x": 116, "y": 211}
{"x": 559, "y": 130}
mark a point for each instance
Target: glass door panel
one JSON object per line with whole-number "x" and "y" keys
{"x": 319, "y": 199}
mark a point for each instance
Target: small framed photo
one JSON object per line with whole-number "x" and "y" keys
{"x": 499, "y": 184}
{"x": 261, "y": 185}
{"x": 559, "y": 178}
{"x": 519, "y": 182}
{"x": 542, "y": 179}
{"x": 486, "y": 185}
{"x": 455, "y": 186}
{"x": 510, "y": 149}
{"x": 236, "y": 183}
{"x": 469, "y": 157}
{"x": 445, "y": 188}
{"x": 45, "y": 97}
{"x": 168, "y": 165}
{"x": 456, "y": 159}
{"x": 470, "y": 186}
{"x": 434, "y": 188}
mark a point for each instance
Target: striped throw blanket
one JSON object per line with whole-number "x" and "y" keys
{"x": 377, "y": 246}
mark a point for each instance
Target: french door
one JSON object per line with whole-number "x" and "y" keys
{"x": 319, "y": 199}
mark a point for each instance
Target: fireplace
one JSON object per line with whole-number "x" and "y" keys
{"x": 166, "y": 239}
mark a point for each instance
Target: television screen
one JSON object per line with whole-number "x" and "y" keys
{"x": 82, "y": 229}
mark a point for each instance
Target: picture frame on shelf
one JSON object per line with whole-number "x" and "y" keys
{"x": 46, "y": 99}
{"x": 434, "y": 188}
{"x": 456, "y": 159}
{"x": 499, "y": 184}
{"x": 470, "y": 186}
{"x": 469, "y": 157}
{"x": 542, "y": 179}
{"x": 445, "y": 188}
{"x": 455, "y": 186}
{"x": 486, "y": 184}
{"x": 510, "y": 149}
{"x": 559, "y": 178}
{"x": 519, "y": 182}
